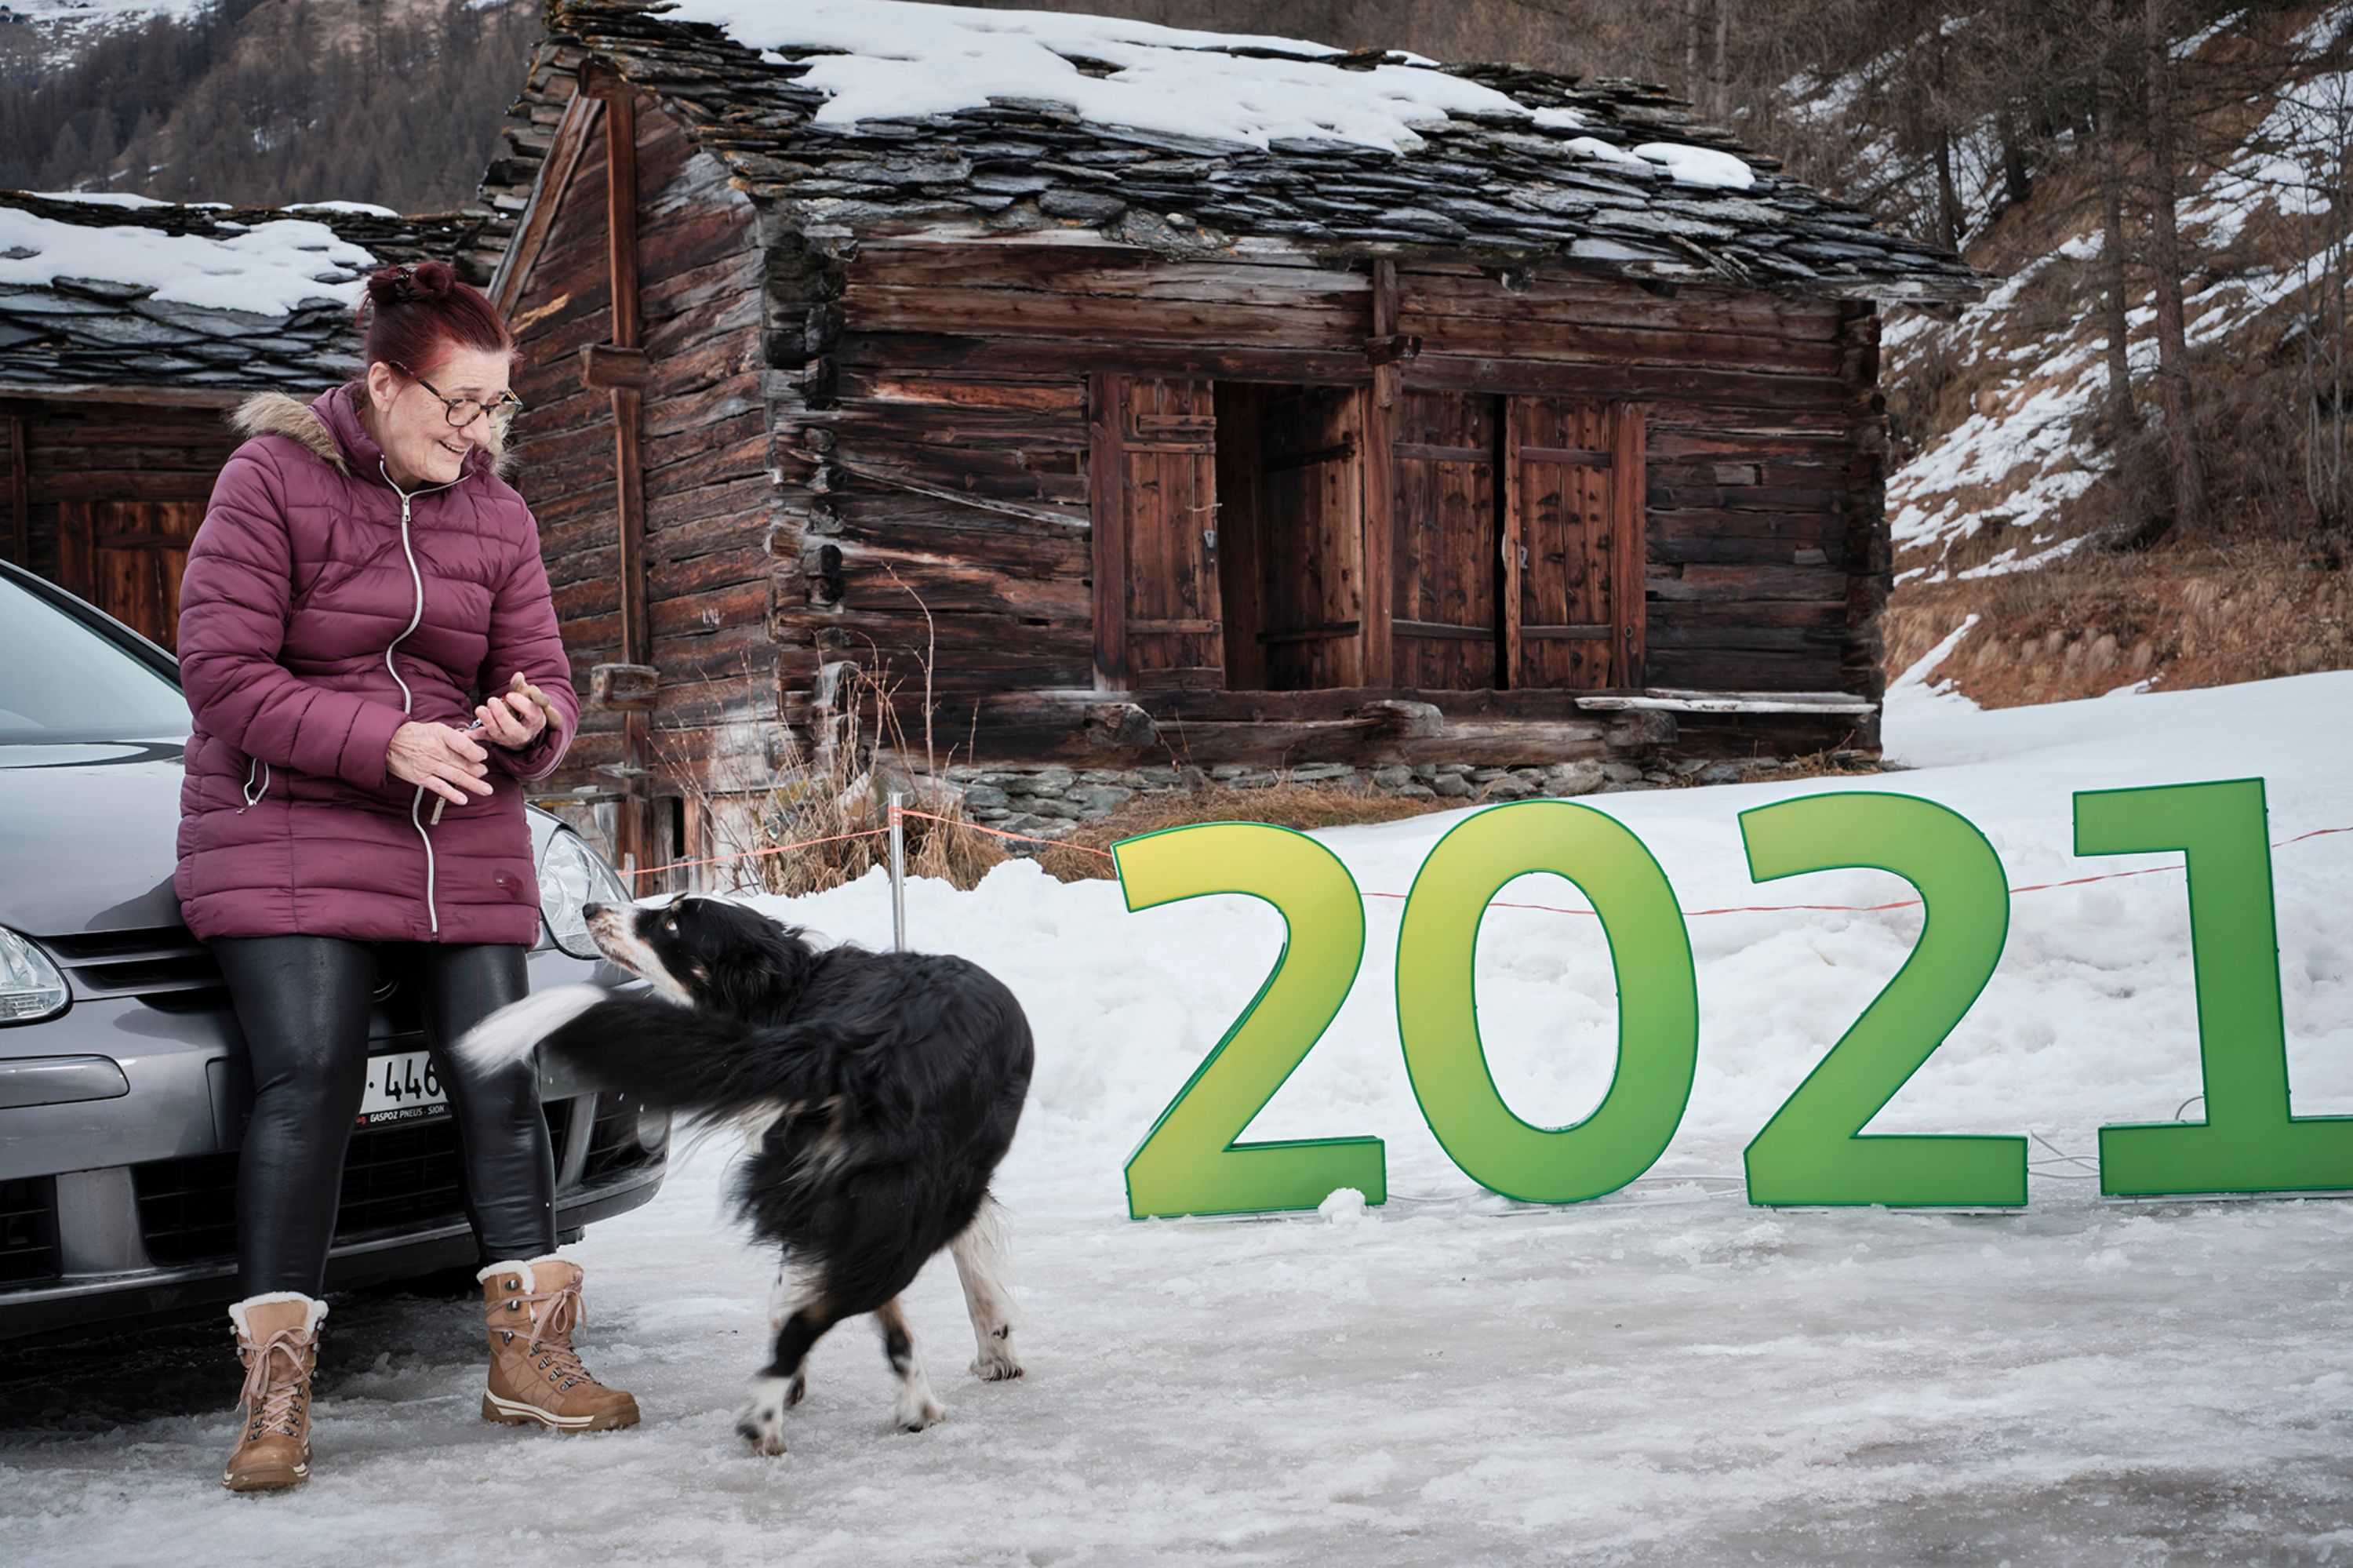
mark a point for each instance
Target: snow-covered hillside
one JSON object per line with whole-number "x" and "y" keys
{"x": 1993, "y": 488}
{"x": 1666, "y": 1375}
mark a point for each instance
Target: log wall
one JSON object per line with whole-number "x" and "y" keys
{"x": 709, "y": 500}
{"x": 137, "y": 467}
{"x": 954, "y": 436}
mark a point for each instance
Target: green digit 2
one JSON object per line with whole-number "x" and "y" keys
{"x": 2249, "y": 1142}
{"x": 1437, "y": 1008}
{"x": 1189, "y": 1163}
{"x": 1814, "y": 1150}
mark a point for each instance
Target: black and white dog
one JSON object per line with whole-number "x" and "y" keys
{"x": 878, "y": 1091}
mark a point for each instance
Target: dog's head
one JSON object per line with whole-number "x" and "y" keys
{"x": 705, "y": 952}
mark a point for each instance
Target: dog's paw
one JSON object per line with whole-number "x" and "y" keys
{"x": 914, "y": 1414}
{"x": 996, "y": 1363}
{"x": 762, "y": 1425}
{"x": 798, "y": 1391}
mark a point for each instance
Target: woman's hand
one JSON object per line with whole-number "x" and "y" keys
{"x": 516, "y": 716}
{"x": 444, "y": 760}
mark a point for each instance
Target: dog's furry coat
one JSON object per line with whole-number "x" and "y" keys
{"x": 878, "y": 1092}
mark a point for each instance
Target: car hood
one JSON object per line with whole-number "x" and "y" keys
{"x": 87, "y": 835}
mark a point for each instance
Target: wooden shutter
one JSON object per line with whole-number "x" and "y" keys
{"x": 1153, "y": 472}
{"x": 1303, "y": 520}
{"x": 127, "y": 558}
{"x": 1573, "y": 544}
{"x": 1443, "y": 621}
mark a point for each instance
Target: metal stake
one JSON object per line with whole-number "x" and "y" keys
{"x": 898, "y": 875}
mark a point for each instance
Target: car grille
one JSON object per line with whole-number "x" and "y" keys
{"x": 401, "y": 1178}
{"x": 164, "y": 961}
{"x": 613, "y": 1145}
{"x": 29, "y": 1229}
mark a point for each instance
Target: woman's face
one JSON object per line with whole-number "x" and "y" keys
{"x": 411, "y": 425}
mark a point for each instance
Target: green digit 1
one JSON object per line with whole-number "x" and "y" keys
{"x": 1658, "y": 1002}
{"x": 1189, "y": 1163}
{"x": 1814, "y": 1150}
{"x": 2249, "y": 1142}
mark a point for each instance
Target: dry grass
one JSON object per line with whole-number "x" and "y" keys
{"x": 1286, "y": 805}
{"x": 2179, "y": 618}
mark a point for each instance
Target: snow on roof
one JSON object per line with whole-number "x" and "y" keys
{"x": 899, "y": 59}
{"x": 199, "y": 297}
{"x": 844, "y": 116}
{"x": 270, "y": 269}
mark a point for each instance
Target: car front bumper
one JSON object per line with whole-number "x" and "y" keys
{"x": 124, "y": 1204}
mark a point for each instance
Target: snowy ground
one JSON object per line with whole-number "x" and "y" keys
{"x": 1667, "y": 1375}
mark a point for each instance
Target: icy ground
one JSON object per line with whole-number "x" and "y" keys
{"x": 1667, "y": 1375}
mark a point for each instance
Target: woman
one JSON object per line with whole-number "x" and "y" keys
{"x": 361, "y": 574}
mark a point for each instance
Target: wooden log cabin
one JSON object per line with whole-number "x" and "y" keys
{"x": 1541, "y": 427}
{"x": 129, "y": 331}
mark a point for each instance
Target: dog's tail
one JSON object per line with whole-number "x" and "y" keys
{"x": 672, "y": 1058}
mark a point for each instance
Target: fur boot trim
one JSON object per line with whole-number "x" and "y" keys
{"x": 318, "y": 1309}
{"x": 515, "y": 1265}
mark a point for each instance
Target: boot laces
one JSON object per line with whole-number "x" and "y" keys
{"x": 273, "y": 1399}
{"x": 551, "y": 1333}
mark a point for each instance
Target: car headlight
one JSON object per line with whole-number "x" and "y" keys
{"x": 30, "y": 986}
{"x": 571, "y": 878}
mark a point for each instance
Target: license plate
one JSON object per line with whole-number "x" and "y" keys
{"x": 402, "y": 1088}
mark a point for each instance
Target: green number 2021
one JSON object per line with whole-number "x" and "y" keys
{"x": 1813, "y": 1150}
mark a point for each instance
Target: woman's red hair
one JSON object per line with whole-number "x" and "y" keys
{"x": 411, "y": 316}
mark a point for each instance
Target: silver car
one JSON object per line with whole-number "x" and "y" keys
{"x": 123, "y": 1089}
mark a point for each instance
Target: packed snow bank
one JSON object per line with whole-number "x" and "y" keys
{"x": 1665, "y": 1375}
{"x": 270, "y": 269}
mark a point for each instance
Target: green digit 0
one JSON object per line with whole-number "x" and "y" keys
{"x": 1658, "y": 1002}
{"x": 1189, "y": 1163}
{"x": 1814, "y": 1150}
{"x": 2248, "y": 1142}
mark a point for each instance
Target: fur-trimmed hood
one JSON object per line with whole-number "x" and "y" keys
{"x": 276, "y": 414}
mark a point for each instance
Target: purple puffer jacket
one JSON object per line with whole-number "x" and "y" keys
{"x": 320, "y": 611}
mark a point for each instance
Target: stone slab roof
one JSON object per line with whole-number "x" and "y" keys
{"x": 1557, "y": 182}
{"x": 123, "y": 331}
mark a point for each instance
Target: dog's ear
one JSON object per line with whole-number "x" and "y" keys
{"x": 756, "y": 972}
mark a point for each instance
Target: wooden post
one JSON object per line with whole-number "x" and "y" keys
{"x": 633, "y": 835}
{"x": 1380, "y": 484}
{"x": 1509, "y": 530}
{"x": 1629, "y": 547}
{"x": 1107, "y": 521}
{"x": 20, "y": 487}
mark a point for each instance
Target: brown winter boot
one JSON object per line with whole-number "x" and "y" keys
{"x": 278, "y": 1340}
{"x": 531, "y": 1310}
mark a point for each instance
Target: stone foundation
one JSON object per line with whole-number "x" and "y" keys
{"x": 1053, "y": 802}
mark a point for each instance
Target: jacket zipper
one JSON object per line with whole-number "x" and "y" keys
{"x": 408, "y": 699}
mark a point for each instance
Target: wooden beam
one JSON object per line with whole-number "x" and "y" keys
{"x": 555, "y": 172}
{"x": 20, "y": 489}
{"x": 1107, "y": 515}
{"x": 1629, "y": 545}
{"x": 138, "y": 396}
{"x": 634, "y": 838}
{"x": 1379, "y": 479}
{"x": 1508, "y": 546}
{"x": 606, "y": 366}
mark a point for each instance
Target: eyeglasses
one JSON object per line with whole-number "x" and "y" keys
{"x": 464, "y": 411}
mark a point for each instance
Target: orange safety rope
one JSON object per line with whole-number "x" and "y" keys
{"x": 1499, "y": 904}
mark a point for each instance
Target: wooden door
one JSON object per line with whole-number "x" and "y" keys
{"x": 127, "y": 558}
{"x": 1153, "y": 470}
{"x": 1311, "y": 525}
{"x": 1573, "y": 548}
{"x": 1445, "y": 618}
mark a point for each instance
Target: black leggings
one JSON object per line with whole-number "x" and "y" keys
{"x": 303, "y": 1002}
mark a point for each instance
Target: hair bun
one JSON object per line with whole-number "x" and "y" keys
{"x": 405, "y": 285}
